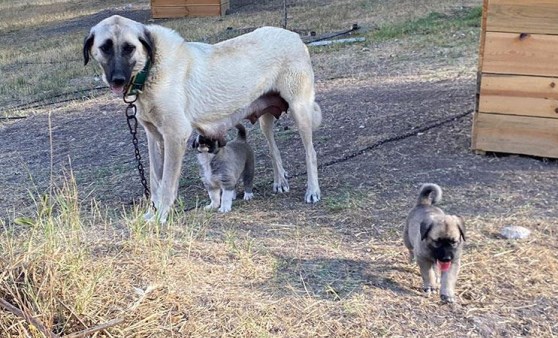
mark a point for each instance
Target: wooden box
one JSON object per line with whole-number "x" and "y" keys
{"x": 181, "y": 8}
{"x": 517, "y": 101}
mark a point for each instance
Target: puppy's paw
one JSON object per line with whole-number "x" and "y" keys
{"x": 312, "y": 195}
{"x": 447, "y": 299}
{"x": 248, "y": 196}
{"x": 234, "y": 195}
{"x": 428, "y": 291}
{"x": 224, "y": 209}
{"x": 210, "y": 206}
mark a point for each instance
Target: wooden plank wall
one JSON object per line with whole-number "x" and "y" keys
{"x": 182, "y": 8}
{"x": 518, "y": 87}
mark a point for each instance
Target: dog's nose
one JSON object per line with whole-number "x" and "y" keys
{"x": 118, "y": 80}
{"x": 446, "y": 258}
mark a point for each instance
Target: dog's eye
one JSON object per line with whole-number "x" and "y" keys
{"x": 106, "y": 47}
{"x": 128, "y": 49}
{"x": 436, "y": 244}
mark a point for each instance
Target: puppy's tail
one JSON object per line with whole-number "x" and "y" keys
{"x": 316, "y": 116}
{"x": 241, "y": 132}
{"x": 429, "y": 194}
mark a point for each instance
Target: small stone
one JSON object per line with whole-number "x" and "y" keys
{"x": 515, "y": 232}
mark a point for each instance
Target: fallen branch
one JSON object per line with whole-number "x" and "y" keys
{"x": 29, "y": 318}
{"x": 94, "y": 329}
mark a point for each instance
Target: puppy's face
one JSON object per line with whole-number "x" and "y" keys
{"x": 122, "y": 47}
{"x": 207, "y": 145}
{"x": 442, "y": 237}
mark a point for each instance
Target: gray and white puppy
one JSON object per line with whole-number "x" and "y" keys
{"x": 221, "y": 166}
{"x": 435, "y": 239}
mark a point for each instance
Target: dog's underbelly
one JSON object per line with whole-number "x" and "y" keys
{"x": 269, "y": 103}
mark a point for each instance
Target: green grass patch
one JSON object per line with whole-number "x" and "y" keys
{"x": 433, "y": 23}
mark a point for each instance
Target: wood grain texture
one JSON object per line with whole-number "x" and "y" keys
{"x": 519, "y": 95}
{"x": 516, "y": 134}
{"x": 159, "y": 12}
{"x": 520, "y": 16}
{"x": 176, "y": 3}
{"x": 530, "y": 54}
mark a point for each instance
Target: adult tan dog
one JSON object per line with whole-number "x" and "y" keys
{"x": 434, "y": 238}
{"x": 206, "y": 87}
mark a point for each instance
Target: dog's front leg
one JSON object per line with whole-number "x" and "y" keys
{"x": 174, "y": 147}
{"x": 448, "y": 280}
{"x": 156, "y": 160}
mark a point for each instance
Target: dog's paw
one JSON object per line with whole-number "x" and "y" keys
{"x": 248, "y": 196}
{"x": 149, "y": 216}
{"x": 312, "y": 196}
{"x": 447, "y": 299}
{"x": 281, "y": 187}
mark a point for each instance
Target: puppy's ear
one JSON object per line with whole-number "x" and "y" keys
{"x": 221, "y": 142}
{"x": 147, "y": 42}
{"x": 425, "y": 227}
{"x": 461, "y": 226}
{"x": 195, "y": 142}
{"x": 87, "y": 43}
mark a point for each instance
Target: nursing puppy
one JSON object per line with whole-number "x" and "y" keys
{"x": 180, "y": 86}
{"x": 221, "y": 167}
{"x": 435, "y": 239}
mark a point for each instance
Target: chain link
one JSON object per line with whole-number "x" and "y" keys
{"x": 132, "y": 121}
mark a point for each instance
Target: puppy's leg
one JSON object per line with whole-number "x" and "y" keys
{"x": 428, "y": 275}
{"x": 226, "y": 200}
{"x": 280, "y": 183}
{"x": 215, "y": 196}
{"x": 248, "y": 177}
{"x": 302, "y": 112}
{"x": 408, "y": 243}
{"x": 449, "y": 278}
{"x": 156, "y": 151}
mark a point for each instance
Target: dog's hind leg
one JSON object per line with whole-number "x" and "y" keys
{"x": 303, "y": 112}
{"x": 280, "y": 182}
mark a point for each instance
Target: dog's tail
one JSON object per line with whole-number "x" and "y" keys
{"x": 241, "y": 132}
{"x": 429, "y": 194}
{"x": 316, "y": 116}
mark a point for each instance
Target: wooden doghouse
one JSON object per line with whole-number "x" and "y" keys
{"x": 517, "y": 102}
{"x": 181, "y": 8}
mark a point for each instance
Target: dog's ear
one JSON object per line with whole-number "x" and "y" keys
{"x": 147, "y": 42}
{"x": 425, "y": 227}
{"x": 87, "y": 43}
{"x": 461, "y": 226}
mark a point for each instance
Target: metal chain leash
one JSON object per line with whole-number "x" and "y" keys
{"x": 132, "y": 121}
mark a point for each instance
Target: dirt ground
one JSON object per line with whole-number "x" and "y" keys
{"x": 364, "y": 198}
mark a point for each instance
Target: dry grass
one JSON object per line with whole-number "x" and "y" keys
{"x": 269, "y": 269}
